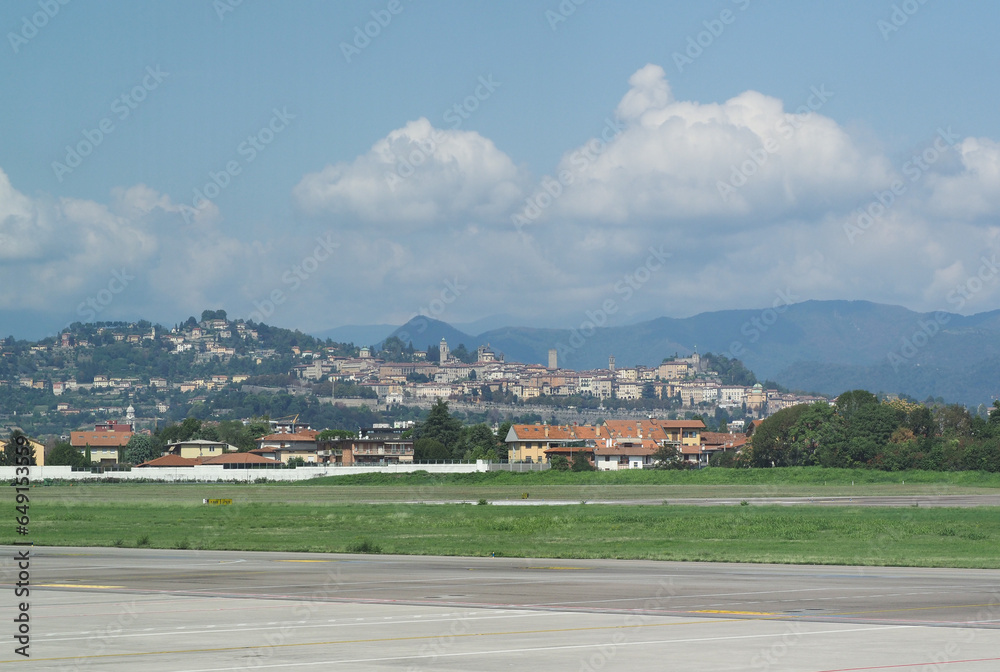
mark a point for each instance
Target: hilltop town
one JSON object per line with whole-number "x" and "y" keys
{"x": 148, "y": 376}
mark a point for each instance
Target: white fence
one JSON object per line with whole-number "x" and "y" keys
{"x": 214, "y": 472}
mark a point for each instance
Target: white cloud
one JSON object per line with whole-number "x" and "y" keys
{"x": 58, "y": 253}
{"x": 417, "y": 175}
{"x": 974, "y": 191}
{"x": 671, "y": 157}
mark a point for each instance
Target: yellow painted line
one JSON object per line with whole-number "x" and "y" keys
{"x": 890, "y": 611}
{"x": 557, "y": 567}
{"x": 369, "y": 641}
{"x": 72, "y": 585}
{"x": 742, "y": 613}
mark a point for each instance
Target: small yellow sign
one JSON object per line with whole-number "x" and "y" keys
{"x": 218, "y": 502}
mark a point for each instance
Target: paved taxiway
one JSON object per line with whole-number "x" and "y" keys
{"x": 130, "y": 609}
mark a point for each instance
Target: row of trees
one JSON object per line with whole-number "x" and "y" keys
{"x": 443, "y": 437}
{"x": 859, "y": 430}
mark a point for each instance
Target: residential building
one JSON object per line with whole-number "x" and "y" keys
{"x": 198, "y": 448}
{"x": 105, "y": 444}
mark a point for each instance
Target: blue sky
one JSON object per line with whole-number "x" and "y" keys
{"x": 311, "y": 229}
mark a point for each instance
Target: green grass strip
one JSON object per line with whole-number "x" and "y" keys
{"x": 801, "y": 534}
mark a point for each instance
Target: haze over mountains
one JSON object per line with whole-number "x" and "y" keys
{"x": 815, "y": 346}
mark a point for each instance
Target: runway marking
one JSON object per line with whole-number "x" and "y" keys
{"x": 468, "y": 653}
{"x": 71, "y": 585}
{"x": 914, "y": 665}
{"x": 890, "y": 611}
{"x": 252, "y": 627}
{"x": 557, "y": 568}
{"x": 383, "y": 639}
{"x": 308, "y": 561}
{"x": 743, "y": 613}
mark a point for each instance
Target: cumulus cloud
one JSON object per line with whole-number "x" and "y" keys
{"x": 417, "y": 175}
{"x": 58, "y": 252}
{"x": 974, "y": 191}
{"x": 674, "y": 160}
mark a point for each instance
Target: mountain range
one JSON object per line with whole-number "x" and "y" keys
{"x": 814, "y": 346}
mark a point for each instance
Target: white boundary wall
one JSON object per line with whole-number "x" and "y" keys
{"x": 211, "y": 472}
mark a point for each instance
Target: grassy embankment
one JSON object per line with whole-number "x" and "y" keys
{"x": 319, "y": 516}
{"x": 807, "y": 534}
{"x": 553, "y": 485}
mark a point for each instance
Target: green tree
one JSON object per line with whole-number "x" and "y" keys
{"x": 770, "y": 441}
{"x": 442, "y": 427}
{"x": 816, "y": 432}
{"x": 581, "y": 463}
{"x": 463, "y": 355}
{"x": 921, "y": 421}
{"x": 139, "y": 449}
{"x": 9, "y": 456}
{"x": 668, "y": 457}
{"x": 428, "y": 449}
{"x": 954, "y": 421}
{"x": 851, "y": 402}
{"x": 731, "y": 371}
{"x": 559, "y": 462}
{"x": 66, "y": 455}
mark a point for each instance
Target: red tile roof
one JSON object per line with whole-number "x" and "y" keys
{"x": 640, "y": 448}
{"x": 308, "y": 436}
{"x": 722, "y": 440}
{"x": 99, "y": 439}
{"x": 239, "y": 458}
{"x": 171, "y": 461}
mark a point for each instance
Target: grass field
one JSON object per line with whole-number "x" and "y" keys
{"x": 548, "y": 485}
{"x": 388, "y": 513}
{"x": 863, "y": 536}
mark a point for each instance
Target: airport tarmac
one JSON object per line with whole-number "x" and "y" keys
{"x": 200, "y": 611}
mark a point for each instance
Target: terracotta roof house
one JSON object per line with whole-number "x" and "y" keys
{"x": 617, "y": 454}
{"x": 284, "y": 446}
{"x": 529, "y": 443}
{"x": 240, "y": 459}
{"x": 199, "y": 448}
{"x": 105, "y": 445}
{"x": 171, "y": 461}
